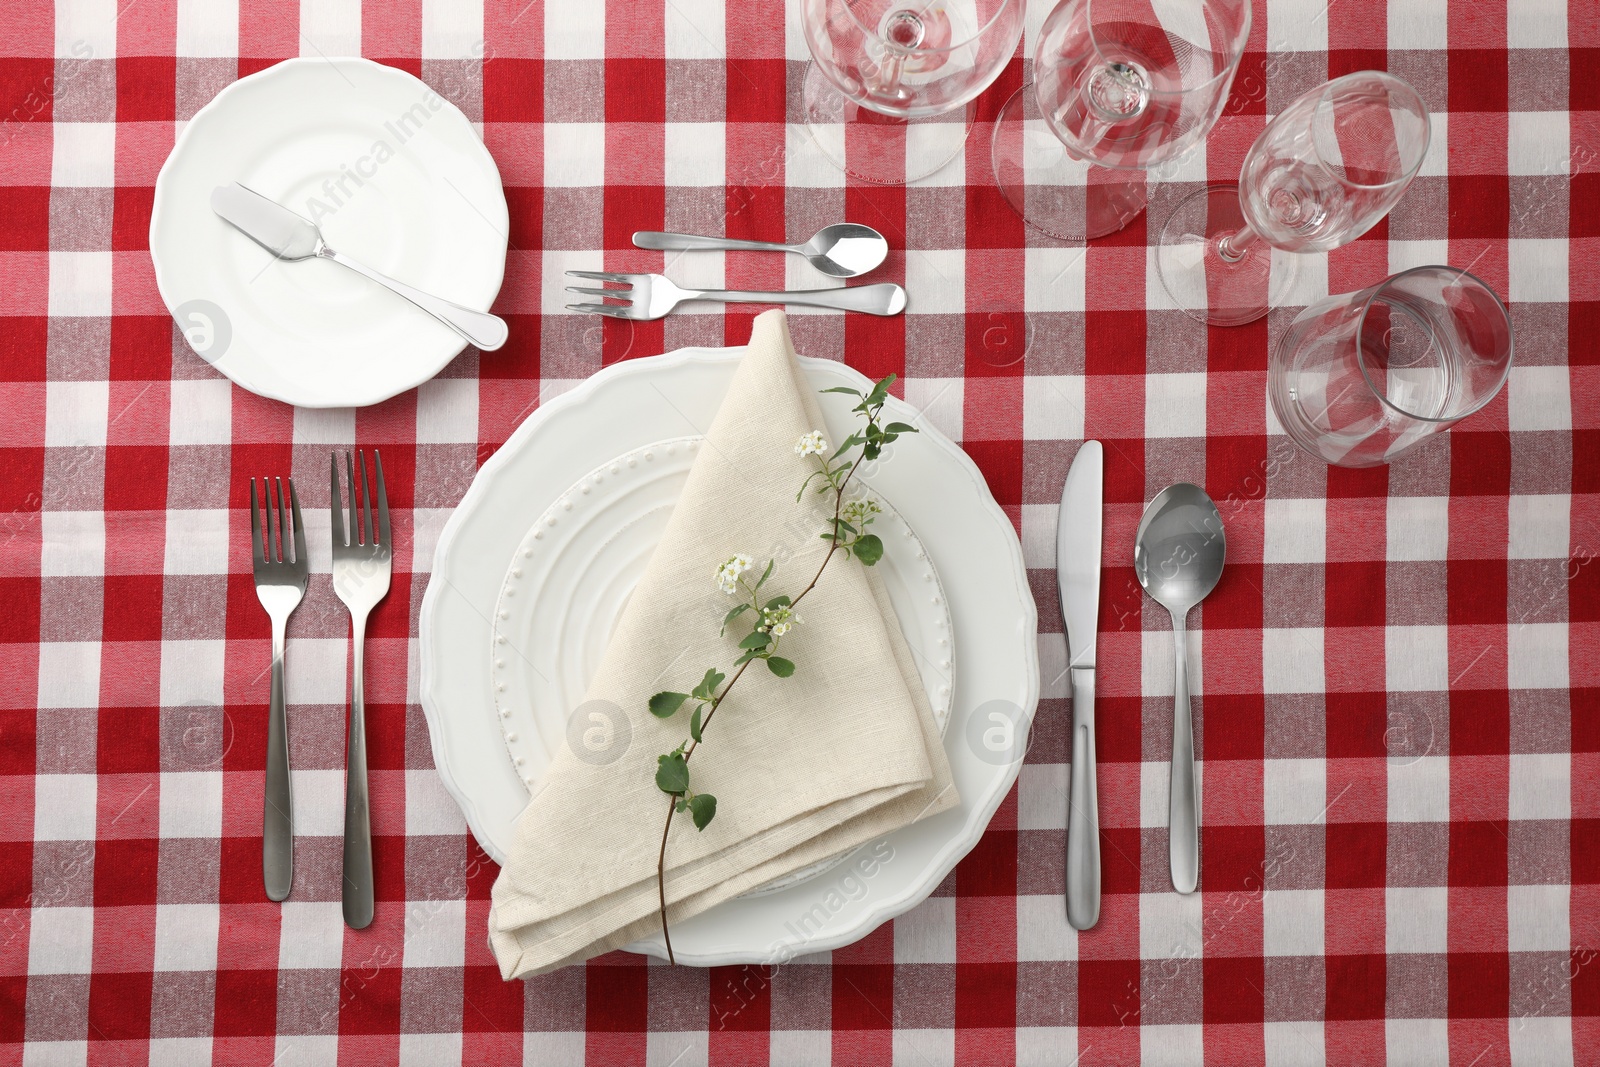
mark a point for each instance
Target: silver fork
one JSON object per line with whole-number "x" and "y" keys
{"x": 651, "y": 296}
{"x": 278, "y": 553}
{"x": 361, "y": 565}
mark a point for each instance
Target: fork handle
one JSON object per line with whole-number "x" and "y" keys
{"x": 357, "y": 895}
{"x": 479, "y": 328}
{"x": 676, "y": 242}
{"x": 881, "y": 298}
{"x": 277, "y": 827}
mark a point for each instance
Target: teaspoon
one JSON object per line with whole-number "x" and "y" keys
{"x": 1178, "y": 556}
{"x": 842, "y": 250}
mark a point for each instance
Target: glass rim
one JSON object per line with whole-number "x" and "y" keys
{"x": 1383, "y": 398}
{"x": 1427, "y": 131}
{"x": 872, "y": 31}
{"x": 1225, "y": 71}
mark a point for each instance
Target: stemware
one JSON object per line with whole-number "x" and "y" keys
{"x": 1119, "y": 86}
{"x": 1322, "y": 173}
{"x": 1361, "y": 378}
{"x": 889, "y": 90}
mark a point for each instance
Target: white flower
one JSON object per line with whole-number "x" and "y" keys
{"x": 811, "y": 444}
{"x": 728, "y": 573}
{"x": 779, "y": 621}
{"x": 860, "y": 511}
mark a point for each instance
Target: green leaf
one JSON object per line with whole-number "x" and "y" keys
{"x": 900, "y": 427}
{"x": 766, "y": 573}
{"x": 734, "y": 614}
{"x": 845, "y": 445}
{"x": 708, "y": 685}
{"x": 695, "y": 725}
{"x": 664, "y": 705}
{"x": 843, "y": 389}
{"x": 780, "y": 666}
{"x": 869, "y": 549}
{"x": 703, "y": 806}
{"x": 672, "y": 774}
{"x": 872, "y": 451}
{"x": 805, "y": 483}
{"x": 756, "y": 640}
{"x": 778, "y": 602}
{"x": 747, "y": 657}
{"x": 845, "y": 526}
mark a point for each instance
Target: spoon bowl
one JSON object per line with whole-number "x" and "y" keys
{"x": 1178, "y": 556}
{"x": 1180, "y": 547}
{"x": 845, "y": 249}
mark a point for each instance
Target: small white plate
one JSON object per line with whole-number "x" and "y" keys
{"x": 392, "y": 173}
{"x": 976, "y": 569}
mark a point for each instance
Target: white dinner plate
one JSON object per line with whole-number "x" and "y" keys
{"x": 394, "y": 176}
{"x": 476, "y": 639}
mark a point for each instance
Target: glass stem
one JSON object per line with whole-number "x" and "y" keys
{"x": 1235, "y": 246}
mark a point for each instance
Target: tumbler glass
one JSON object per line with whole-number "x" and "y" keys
{"x": 1361, "y": 378}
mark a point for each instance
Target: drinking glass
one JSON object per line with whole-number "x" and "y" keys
{"x": 1361, "y": 378}
{"x": 889, "y": 90}
{"x": 1320, "y": 175}
{"x": 1118, "y": 86}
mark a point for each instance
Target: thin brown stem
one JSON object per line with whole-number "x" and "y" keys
{"x": 672, "y": 804}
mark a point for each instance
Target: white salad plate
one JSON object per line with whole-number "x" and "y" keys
{"x": 394, "y": 176}
{"x": 536, "y": 563}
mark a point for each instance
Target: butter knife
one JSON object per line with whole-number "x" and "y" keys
{"x": 1078, "y": 571}
{"x": 290, "y": 237}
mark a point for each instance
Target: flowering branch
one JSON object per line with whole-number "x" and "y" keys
{"x": 772, "y": 619}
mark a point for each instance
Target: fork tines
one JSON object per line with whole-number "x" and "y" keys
{"x": 624, "y": 293}
{"x": 283, "y": 541}
{"x": 360, "y": 530}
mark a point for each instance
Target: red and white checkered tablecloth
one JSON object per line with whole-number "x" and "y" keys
{"x": 1397, "y": 675}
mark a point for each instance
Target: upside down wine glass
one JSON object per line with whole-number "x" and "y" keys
{"x": 1119, "y": 86}
{"x": 890, "y": 85}
{"x": 1322, "y": 173}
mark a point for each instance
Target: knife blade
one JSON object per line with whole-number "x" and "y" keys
{"x": 266, "y": 222}
{"x": 1078, "y": 539}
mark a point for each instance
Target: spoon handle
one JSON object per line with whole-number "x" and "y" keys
{"x": 676, "y": 242}
{"x": 1183, "y": 834}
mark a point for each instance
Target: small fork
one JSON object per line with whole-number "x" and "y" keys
{"x": 361, "y": 566}
{"x": 281, "y": 567}
{"x": 651, "y": 296}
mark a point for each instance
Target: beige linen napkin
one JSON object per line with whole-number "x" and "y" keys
{"x": 844, "y": 751}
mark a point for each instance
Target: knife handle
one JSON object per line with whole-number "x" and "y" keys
{"x": 480, "y": 329}
{"x": 1083, "y": 811}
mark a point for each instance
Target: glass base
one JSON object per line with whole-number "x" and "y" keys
{"x": 1057, "y": 194}
{"x": 1200, "y": 281}
{"x": 877, "y": 148}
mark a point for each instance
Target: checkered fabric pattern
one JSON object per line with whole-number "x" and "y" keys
{"x": 1396, "y": 679}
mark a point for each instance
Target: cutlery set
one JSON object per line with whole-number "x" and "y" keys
{"x": 1178, "y": 555}
{"x": 843, "y": 250}
{"x": 362, "y": 560}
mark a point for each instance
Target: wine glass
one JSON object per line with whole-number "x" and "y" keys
{"x": 1361, "y": 378}
{"x": 1322, "y": 173}
{"x": 1118, "y": 86}
{"x": 889, "y": 90}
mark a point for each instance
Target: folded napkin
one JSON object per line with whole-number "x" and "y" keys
{"x": 844, "y": 751}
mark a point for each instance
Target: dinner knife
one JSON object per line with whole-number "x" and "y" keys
{"x": 1078, "y": 571}
{"x": 290, "y": 237}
